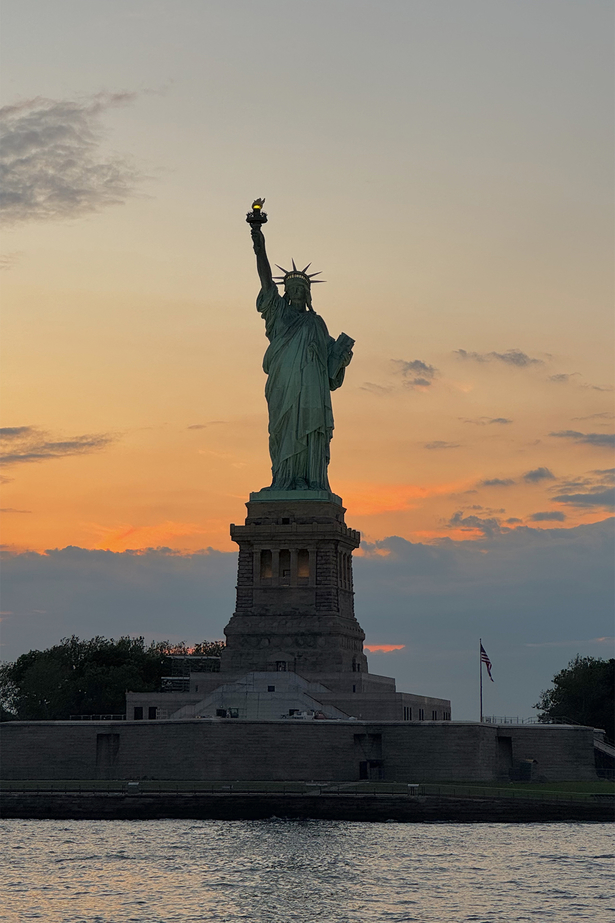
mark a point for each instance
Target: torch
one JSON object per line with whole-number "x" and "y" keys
{"x": 257, "y": 216}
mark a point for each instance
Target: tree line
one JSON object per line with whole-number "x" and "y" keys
{"x": 78, "y": 677}
{"x": 91, "y": 677}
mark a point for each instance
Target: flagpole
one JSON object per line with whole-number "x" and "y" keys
{"x": 480, "y": 669}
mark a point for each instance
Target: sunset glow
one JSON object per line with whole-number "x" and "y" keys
{"x": 449, "y": 168}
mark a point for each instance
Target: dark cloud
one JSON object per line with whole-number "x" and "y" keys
{"x": 518, "y": 586}
{"x": 205, "y": 425}
{"x": 512, "y": 357}
{"x": 597, "y": 489}
{"x": 439, "y": 444}
{"x": 548, "y": 515}
{"x": 375, "y": 389}
{"x": 496, "y": 482}
{"x": 604, "y": 499}
{"x": 22, "y": 444}
{"x": 488, "y": 527}
{"x": 9, "y": 509}
{"x": 416, "y": 374}
{"x": 488, "y": 421}
{"x": 563, "y": 377}
{"x": 604, "y": 415}
{"x": 538, "y": 474}
{"x": 599, "y": 440}
{"x": 52, "y": 165}
{"x": 512, "y": 520}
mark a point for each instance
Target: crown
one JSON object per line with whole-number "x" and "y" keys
{"x": 295, "y": 273}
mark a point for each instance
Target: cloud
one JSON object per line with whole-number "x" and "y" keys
{"x": 488, "y": 421}
{"x": 547, "y": 516}
{"x": 416, "y": 374}
{"x": 489, "y": 527}
{"x": 597, "y": 489}
{"x": 513, "y": 587}
{"x": 604, "y": 415}
{"x": 205, "y": 425}
{"x": 22, "y": 444}
{"x": 439, "y": 444}
{"x": 512, "y": 357}
{"x": 383, "y": 648}
{"x": 599, "y": 440}
{"x": 538, "y": 474}
{"x": 14, "y": 432}
{"x": 600, "y": 498}
{"x": 496, "y": 482}
{"x": 375, "y": 389}
{"x": 9, "y": 509}
{"x": 52, "y": 166}
{"x": 563, "y": 377}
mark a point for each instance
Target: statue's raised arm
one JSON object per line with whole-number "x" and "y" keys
{"x": 256, "y": 218}
{"x": 303, "y": 365}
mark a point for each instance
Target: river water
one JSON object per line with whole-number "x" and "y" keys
{"x": 278, "y": 871}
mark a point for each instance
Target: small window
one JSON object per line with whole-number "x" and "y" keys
{"x": 152, "y": 712}
{"x": 266, "y": 564}
{"x": 285, "y": 567}
{"x": 270, "y": 688}
{"x": 303, "y": 563}
{"x": 421, "y": 714}
{"x": 233, "y": 713}
{"x": 285, "y": 521}
{"x": 138, "y": 713}
{"x": 407, "y": 713}
{"x": 434, "y": 716}
{"x": 220, "y": 712}
{"x": 280, "y": 666}
{"x": 354, "y": 688}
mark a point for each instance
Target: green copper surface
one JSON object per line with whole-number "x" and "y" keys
{"x": 303, "y": 365}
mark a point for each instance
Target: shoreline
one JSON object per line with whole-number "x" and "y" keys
{"x": 370, "y": 807}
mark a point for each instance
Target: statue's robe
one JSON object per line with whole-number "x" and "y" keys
{"x": 303, "y": 367}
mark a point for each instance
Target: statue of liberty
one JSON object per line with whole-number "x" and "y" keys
{"x": 303, "y": 365}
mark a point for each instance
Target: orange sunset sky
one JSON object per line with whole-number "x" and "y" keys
{"x": 460, "y": 223}
{"x": 448, "y": 167}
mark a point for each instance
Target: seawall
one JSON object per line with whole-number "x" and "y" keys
{"x": 354, "y": 806}
{"x": 286, "y": 750}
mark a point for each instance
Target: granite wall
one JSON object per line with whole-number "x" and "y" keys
{"x": 289, "y": 750}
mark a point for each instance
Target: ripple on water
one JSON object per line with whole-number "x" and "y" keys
{"x": 280, "y": 871}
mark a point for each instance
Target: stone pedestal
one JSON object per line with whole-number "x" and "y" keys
{"x": 295, "y": 609}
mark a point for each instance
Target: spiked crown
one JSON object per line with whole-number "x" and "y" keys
{"x": 295, "y": 273}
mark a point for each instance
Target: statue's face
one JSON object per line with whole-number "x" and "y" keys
{"x": 297, "y": 291}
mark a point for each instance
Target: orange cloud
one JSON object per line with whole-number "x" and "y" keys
{"x": 384, "y": 648}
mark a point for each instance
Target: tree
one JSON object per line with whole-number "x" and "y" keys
{"x": 86, "y": 677}
{"x": 583, "y": 692}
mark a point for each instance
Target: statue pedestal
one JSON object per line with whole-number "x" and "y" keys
{"x": 295, "y": 599}
{"x": 268, "y": 493}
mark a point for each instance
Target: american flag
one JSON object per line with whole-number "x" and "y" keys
{"x": 484, "y": 658}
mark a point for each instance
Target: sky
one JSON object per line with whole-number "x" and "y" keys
{"x": 448, "y": 167}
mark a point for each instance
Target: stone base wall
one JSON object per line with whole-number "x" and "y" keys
{"x": 228, "y": 749}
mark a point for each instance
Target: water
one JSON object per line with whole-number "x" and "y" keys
{"x": 277, "y": 871}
